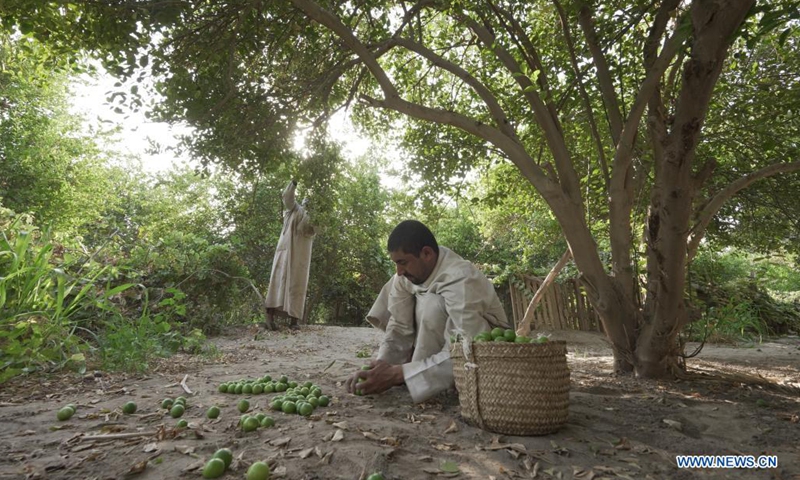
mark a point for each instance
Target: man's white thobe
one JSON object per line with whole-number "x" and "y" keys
{"x": 288, "y": 281}
{"x": 419, "y": 319}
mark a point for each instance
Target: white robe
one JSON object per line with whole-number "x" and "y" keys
{"x": 419, "y": 319}
{"x": 288, "y": 281}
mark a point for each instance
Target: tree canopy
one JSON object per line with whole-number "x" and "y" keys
{"x": 634, "y": 122}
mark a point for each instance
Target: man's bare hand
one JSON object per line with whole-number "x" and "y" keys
{"x": 380, "y": 377}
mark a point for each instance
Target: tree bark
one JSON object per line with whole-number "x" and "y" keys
{"x": 657, "y": 351}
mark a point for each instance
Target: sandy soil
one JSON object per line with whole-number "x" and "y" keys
{"x": 618, "y": 427}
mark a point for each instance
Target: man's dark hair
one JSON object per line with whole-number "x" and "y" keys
{"x": 411, "y": 236}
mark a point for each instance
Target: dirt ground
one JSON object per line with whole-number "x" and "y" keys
{"x": 617, "y": 428}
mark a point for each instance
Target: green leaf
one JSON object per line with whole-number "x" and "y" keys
{"x": 449, "y": 467}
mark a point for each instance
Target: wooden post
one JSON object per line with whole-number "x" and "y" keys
{"x": 524, "y": 327}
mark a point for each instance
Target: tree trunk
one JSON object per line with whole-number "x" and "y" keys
{"x": 668, "y": 225}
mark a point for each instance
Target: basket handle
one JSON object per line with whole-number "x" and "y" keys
{"x": 524, "y": 327}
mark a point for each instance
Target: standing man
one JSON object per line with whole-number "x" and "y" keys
{"x": 434, "y": 294}
{"x": 288, "y": 281}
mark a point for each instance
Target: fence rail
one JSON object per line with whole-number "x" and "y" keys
{"x": 563, "y": 307}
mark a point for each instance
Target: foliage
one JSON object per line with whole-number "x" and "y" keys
{"x": 601, "y": 108}
{"x": 42, "y": 291}
{"x": 736, "y": 296}
{"x": 50, "y": 167}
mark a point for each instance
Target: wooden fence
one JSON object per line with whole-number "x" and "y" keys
{"x": 563, "y": 307}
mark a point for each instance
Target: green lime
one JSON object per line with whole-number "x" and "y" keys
{"x": 522, "y": 339}
{"x": 214, "y": 468}
{"x": 316, "y": 392}
{"x": 181, "y": 400}
{"x": 314, "y": 401}
{"x": 292, "y": 384}
{"x": 269, "y": 388}
{"x": 375, "y": 476}
{"x": 250, "y": 424}
{"x": 73, "y": 407}
{"x": 177, "y": 410}
{"x": 510, "y": 335}
{"x": 289, "y": 407}
{"x": 266, "y": 378}
{"x": 497, "y": 332}
{"x": 366, "y": 367}
{"x": 281, "y": 387}
{"x": 323, "y": 400}
{"x": 166, "y": 403}
{"x": 305, "y": 409}
{"x": 308, "y": 384}
{"x": 276, "y": 405}
{"x": 258, "y": 471}
{"x": 223, "y": 388}
{"x": 542, "y": 339}
{"x": 283, "y": 379}
{"x": 129, "y": 408}
{"x": 243, "y": 405}
{"x": 500, "y": 339}
{"x": 247, "y": 388}
{"x": 237, "y": 388}
{"x": 225, "y": 455}
{"x": 260, "y": 416}
{"x": 258, "y": 388}
{"x": 213, "y": 412}
{"x": 482, "y": 337}
{"x": 182, "y": 423}
{"x": 65, "y": 413}
{"x": 267, "y": 422}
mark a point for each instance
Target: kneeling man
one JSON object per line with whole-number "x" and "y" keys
{"x": 434, "y": 294}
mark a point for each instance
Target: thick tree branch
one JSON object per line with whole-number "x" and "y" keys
{"x": 711, "y": 208}
{"x": 621, "y": 191}
{"x": 486, "y": 95}
{"x": 604, "y": 80}
{"x": 392, "y": 100}
{"x": 568, "y": 177}
{"x": 529, "y": 53}
{"x": 584, "y": 95}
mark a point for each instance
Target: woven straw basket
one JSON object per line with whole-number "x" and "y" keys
{"x": 513, "y": 388}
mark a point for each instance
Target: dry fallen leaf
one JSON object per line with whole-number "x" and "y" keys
{"x": 674, "y": 424}
{"x": 444, "y": 447}
{"x": 184, "y": 449}
{"x": 306, "y": 453}
{"x": 370, "y": 435}
{"x": 338, "y": 436}
{"x": 391, "y": 441}
{"x": 343, "y": 425}
{"x": 278, "y": 472}
{"x": 138, "y": 468}
{"x": 452, "y": 428}
{"x": 326, "y": 459}
{"x": 150, "y": 447}
{"x": 281, "y": 442}
{"x": 582, "y": 474}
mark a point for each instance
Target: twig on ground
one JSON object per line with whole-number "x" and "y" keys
{"x": 183, "y": 384}
{"x": 117, "y": 436}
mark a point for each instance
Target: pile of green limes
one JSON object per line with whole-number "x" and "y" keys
{"x": 507, "y": 335}
{"x": 65, "y": 413}
{"x": 176, "y": 407}
{"x": 250, "y": 423}
{"x": 257, "y": 386}
{"x": 300, "y": 399}
{"x": 215, "y": 467}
